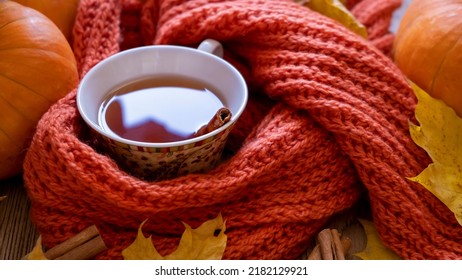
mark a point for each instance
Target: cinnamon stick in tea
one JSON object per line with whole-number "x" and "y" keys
{"x": 222, "y": 116}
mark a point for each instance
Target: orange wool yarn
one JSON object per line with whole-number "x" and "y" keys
{"x": 326, "y": 122}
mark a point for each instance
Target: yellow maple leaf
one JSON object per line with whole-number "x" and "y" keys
{"x": 207, "y": 242}
{"x": 375, "y": 249}
{"x": 336, "y": 10}
{"x": 440, "y": 135}
{"x": 37, "y": 251}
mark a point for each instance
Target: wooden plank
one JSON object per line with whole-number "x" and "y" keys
{"x": 17, "y": 234}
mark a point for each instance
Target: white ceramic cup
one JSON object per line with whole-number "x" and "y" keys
{"x": 157, "y": 161}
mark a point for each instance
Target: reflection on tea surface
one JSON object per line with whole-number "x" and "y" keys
{"x": 158, "y": 110}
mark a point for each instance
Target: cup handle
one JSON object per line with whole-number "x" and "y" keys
{"x": 211, "y": 46}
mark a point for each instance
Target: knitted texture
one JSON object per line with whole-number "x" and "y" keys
{"x": 327, "y": 121}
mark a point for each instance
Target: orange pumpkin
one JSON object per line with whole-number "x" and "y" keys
{"x": 428, "y": 48}
{"x": 61, "y": 12}
{"x": 37, "y": 67}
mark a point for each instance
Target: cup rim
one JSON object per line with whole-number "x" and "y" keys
{"x": 189, "y": 141}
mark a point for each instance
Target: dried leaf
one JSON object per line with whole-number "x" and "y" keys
{"x": 375, "y": 250}
{"x": 335, "y": 9}
{"x": 141, "y": 248}
{"x": 207, "y": 242}
{"x": 440, "y": 135}
{"x": 37, "y": 251}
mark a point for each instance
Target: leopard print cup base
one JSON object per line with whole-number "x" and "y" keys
{"x": 151, "y": 163}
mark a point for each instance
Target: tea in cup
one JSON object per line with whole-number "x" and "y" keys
{"x": 163, "y": 111}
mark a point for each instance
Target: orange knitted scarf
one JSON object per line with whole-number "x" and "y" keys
{"x": 327, "y": 121}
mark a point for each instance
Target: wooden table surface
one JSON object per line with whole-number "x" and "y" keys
{"x": 17, "y": 233}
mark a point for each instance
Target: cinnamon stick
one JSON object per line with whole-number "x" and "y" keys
{"x": 346, "y": 244}
{"x": 82, "y": 246}
{"x": 330, "y": 246}
{"x": 221, "y": 117}
{"x": 337, "y": 245}
{"x": 325, "y": 244}
{"x": 85, "y": 251}
{"x": 73, "y": 242}
{"x": 315, "y": 254}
